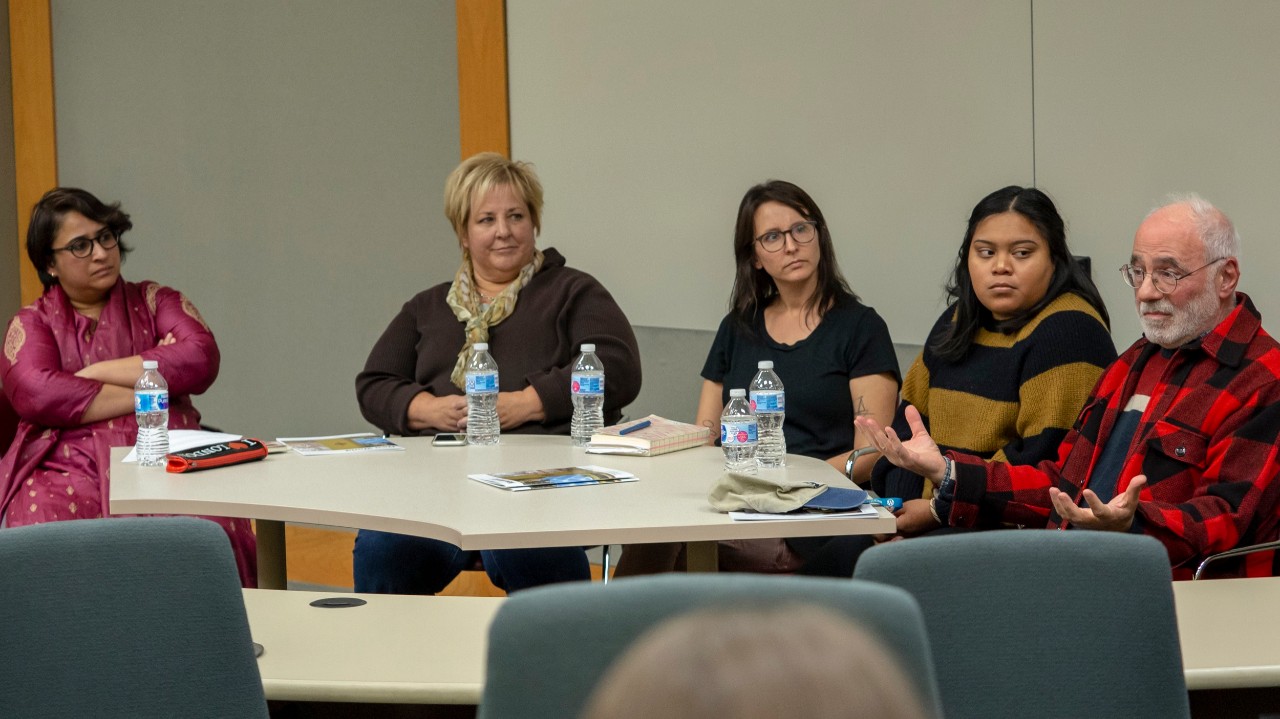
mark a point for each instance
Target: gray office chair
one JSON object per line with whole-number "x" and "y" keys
{"x": 1044, "y": 623}
{"x": 127, "y": 617}
{"x": 1271, "y": 546}
{"x": 549, "y": 646}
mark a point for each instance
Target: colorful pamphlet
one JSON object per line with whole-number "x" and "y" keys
{"x": 339, "y": 444}
{"x": 551, "y": 478}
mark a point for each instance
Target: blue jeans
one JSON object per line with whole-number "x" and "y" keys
{"x": 388, "y": 563}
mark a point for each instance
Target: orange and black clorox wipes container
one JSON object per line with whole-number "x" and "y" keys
{"x": 216, "y": 455}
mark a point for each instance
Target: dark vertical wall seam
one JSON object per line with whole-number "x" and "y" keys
{"x": 1032, "y": 4}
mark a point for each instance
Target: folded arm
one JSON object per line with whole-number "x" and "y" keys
{"x": 121, "y": 372}
{"x": 189, "y": 363}
{"x": 40, "y": 391}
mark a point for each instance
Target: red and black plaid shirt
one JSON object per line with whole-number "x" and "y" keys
{"x": 1207, "y": 444}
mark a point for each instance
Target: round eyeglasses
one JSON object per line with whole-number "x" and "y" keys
{"x": 802, "y": 233}
{"x": 1165, "y": 281}
{"x": 82, "y": 247}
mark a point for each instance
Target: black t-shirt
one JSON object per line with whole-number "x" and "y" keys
{"x": 851, "y": 341}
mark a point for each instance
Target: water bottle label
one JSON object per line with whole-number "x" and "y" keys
{"x": 768, "y": 401}
{"x": 482, "y": 382}
{"x": 588, "y": 384}
{"x": 738, "y": 433}
{"x": 151, "y": 402}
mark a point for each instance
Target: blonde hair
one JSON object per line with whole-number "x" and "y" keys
{"x": 477, "y": 175}
{"x": 795, "y": 660}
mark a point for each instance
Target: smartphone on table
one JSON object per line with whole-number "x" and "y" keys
{"x": 449, "y": 439}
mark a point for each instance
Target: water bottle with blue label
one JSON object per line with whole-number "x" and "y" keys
{"x": 482, "y": 396}
{"x": 769, "y": 402}
{"x": 151, "y": 408}
{"x": 738, "y": 434}
{"x": 587, "y": 389}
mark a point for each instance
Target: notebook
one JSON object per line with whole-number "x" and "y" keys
{"x": 659, "y": 437}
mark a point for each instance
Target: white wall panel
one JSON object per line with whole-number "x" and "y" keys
{"x": 649, "y": 120}
{"x": 1140, "y": 98}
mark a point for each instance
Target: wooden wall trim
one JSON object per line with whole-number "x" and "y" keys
{"x": 35, "y": 149}
{"x": 482, "y": 77}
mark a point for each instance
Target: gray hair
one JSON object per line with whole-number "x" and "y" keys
{"x": 1214, "y": 227}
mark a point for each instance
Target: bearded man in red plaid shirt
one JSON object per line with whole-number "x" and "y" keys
{"x": 1178, "y": 440}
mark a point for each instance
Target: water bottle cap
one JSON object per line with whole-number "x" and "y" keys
{"x": 150, "y": 364}
{"x": 588, "y": 347}
{"x": 480, "y": 347}
{"x": 737, "y": 393}
{"x": 765, "y": 364}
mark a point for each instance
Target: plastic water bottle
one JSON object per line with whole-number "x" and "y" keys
{"x": 587, "y": 386}
{"x": 769, "y": 402}
{"x": 151, "y": 407}
{"x": 738, "y": 434}
{"x": 482, "y": 396}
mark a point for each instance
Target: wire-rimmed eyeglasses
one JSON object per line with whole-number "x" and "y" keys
{"x": 82, "y": 247}
{"x": 1165, "y": 281}
{"x": 802, "y": 233}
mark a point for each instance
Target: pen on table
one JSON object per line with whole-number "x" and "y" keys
{"x": 634, "y": 427}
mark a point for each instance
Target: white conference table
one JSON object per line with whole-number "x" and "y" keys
{"x": 396, "y": 649}
{"x": 431, "y": 650}
{"x": 1214, "y": 617}
{"x": 424, "y": 491}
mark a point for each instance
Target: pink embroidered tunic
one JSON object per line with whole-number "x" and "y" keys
{"x": 57, "y": 468}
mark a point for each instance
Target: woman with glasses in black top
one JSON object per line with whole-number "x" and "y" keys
{"x": 791, "y": 305}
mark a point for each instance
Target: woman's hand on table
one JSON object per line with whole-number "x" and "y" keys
{"x": 915, "y": 518}
{"x": 517, "y": 408}
{"x": 446, "y": 414}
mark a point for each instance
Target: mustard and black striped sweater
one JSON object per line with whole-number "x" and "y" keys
{"x": 1012, "y": 398}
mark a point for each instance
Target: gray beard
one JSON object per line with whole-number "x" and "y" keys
{"x": 1183, "y": 325}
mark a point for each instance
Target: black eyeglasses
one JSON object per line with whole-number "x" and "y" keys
{"x": 801, "y": 232}
{"x": 82, "y": 247}
{"x": 1165, "y": 281}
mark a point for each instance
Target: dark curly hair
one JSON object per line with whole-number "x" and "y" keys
{"x": 46, "y": 219}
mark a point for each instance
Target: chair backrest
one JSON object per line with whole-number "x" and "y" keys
{"x": 125, "y": 617}
{"x": 8, "y": 422}
{"x": 1044, "y": 623}
{"x": 548, "y": 647}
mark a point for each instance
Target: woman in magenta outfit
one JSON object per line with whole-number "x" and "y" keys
{"x": 71, "y": 359}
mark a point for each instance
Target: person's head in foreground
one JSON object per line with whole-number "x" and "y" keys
{"x": 795, "y": 660}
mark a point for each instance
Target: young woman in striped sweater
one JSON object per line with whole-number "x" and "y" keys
{"x": 1009, "y": 364}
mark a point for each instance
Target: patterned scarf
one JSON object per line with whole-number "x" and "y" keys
{"x": 464, "y": 300}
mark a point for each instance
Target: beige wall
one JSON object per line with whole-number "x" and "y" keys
{"x": 283, "y": 163}
{"x": 1135, "y": 100}
{"x": 649, "y": 120}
